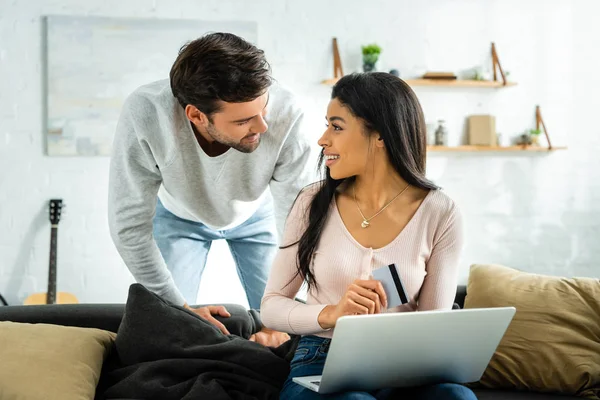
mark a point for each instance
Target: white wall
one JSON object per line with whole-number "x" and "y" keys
{"x": 540, "y": 213}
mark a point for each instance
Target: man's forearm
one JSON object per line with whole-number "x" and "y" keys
{"x": 148, "y": 268}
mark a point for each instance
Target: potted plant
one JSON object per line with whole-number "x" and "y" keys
{"x": 530, "y": 137}
{"x": 370, "y": 55}
{"x": 534, "y": 134}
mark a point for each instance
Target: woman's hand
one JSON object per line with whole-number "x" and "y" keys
{"x": 269, "y": 337}
{"x": 361, "y": 297}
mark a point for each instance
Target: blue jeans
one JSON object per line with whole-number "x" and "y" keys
{"x": 309, "y": 359}
{"x": 184, "y": 245}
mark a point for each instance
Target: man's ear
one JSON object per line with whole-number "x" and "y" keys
{"x": 196, "y": 116}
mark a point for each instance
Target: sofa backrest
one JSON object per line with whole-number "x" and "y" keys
{"x": 461, "y": 293}
{"x": 101, "y": 316}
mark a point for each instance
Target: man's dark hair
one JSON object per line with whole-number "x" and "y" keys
{"x": 219, "y": 66}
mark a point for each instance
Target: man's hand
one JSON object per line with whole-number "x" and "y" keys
{"x": 269, "y": 337}
{"x": 207, "y": 313}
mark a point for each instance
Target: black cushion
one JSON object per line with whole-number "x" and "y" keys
{"x": 167, "y": 352}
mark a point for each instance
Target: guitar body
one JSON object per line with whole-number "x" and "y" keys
{"x": 42, "y": 298}
{"x": 52, "y": 297}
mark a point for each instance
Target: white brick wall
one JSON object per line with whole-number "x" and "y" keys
{"x": 540, "y": 213}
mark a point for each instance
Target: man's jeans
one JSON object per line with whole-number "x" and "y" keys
{"x": 185, "y": 244}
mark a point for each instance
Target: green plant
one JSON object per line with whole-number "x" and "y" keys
{"x": 477, "y": 75}
{"x": 535, "y": 131}
{"x": 371, "y": 53}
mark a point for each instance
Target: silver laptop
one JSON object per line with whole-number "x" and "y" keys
{"x": 388, "y": 350}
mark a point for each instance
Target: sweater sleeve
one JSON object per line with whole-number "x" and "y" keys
{"x": 279, "y": 310}
{"x": 439, "y": 287}
{"x": 291, "y": 172}
{"x": 134, "y": 180}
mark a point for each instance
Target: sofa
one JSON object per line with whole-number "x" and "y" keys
{"x": 109, "y": 317}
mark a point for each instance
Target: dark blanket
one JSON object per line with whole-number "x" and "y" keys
{"x": 167, "y": 352}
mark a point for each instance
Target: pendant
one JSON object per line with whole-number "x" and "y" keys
{"x": 365, "y": 224}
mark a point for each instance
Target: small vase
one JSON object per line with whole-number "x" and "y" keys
{"x": 525, "y": 139}
{"x": 370, "y": 62}
{"x": 441, "y": 134}
{"x": 367, "y": 67}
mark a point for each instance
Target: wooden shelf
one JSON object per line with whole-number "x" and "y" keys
{"x": 463, "y": 83}
{"x": 467, "y": 148}
{"x": 459, "y": 83}
{"x": 330, "y": 82}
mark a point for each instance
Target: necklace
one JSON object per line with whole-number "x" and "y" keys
{"x": 365, "y": 223}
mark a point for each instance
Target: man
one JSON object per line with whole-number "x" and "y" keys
{"x": 192, "y": 160}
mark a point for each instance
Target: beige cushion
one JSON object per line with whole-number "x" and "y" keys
{"x": 553, "y": 342}
{"x": 41, "y": 361}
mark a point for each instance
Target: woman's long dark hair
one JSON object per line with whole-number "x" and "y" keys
{"x": 387, "y": 105}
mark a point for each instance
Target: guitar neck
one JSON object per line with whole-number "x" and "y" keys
{"x": 51, "y": 293}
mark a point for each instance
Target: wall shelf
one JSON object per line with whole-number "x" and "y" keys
{"x": 515, "y": 149}
{"x": 330, "y": 82}
{"x": 444, "y": 81}
{"x": 462, "y": 83}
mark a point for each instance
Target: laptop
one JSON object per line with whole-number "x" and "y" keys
{"x": 370, "y": 352}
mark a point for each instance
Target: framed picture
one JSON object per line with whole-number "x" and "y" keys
{"x": 93, "y": 63}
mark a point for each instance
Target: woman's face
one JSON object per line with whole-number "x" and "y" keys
{"x": 345, "y": 144}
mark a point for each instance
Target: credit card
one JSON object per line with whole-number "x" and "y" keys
{"x": 392, "y": 284}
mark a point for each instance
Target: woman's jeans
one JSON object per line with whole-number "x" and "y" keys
{"x": 309, "y": 359}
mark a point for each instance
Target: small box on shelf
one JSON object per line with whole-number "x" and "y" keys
{"x": 482, "y": 130}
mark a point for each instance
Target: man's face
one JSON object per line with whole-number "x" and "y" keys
{"x": 239, "y": 125}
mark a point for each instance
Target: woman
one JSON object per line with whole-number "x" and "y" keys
{"x": 374, "y": 208}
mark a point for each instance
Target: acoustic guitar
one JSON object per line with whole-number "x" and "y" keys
{"x": 51, "y": 296}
